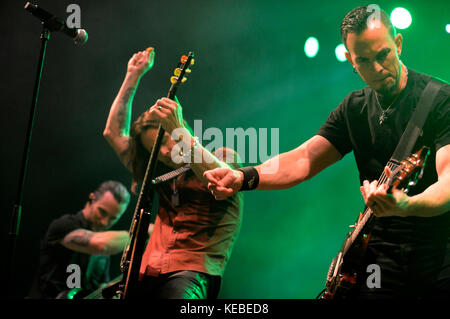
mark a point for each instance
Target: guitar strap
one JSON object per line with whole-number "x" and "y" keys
{"x": 171, "y": 175}
{"x": 414, "y": 128}
{"x": 407, "y": 141}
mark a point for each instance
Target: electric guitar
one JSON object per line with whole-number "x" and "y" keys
{"x": 107, "y": 291}
{"x": 345, "y": 267}
{"x": 132, "y": 255}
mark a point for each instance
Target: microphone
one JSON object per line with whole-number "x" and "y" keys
{"x": 54, "y": 23}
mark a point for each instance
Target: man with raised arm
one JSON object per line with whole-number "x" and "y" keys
{"x": 193, "y": 233}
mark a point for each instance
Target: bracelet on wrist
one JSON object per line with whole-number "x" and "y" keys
{"x": 189, "y": 153}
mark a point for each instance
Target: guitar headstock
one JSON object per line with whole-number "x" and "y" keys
{"x": 409, "y": 171}
{"x": 180, "y": 71}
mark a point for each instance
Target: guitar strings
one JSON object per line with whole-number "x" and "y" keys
{"x": 383, "y": 178}
{"x": 367, "y": 213}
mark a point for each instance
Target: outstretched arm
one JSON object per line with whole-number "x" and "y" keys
{"x": 187, "y": 148}
{"x": 282, "y": 171}
{"x": 117, "y": 130}
{"x": 296, "y": 166}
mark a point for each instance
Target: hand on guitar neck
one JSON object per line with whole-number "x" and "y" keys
{"x": 384, "y": 200}
{"x": 385, "y": 197}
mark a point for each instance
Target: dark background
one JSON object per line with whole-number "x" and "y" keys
{"x": 250, "y": 71}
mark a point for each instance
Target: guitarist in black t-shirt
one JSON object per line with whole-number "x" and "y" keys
{"x": 410, "y": 241}
{"x": 82, "y": 243}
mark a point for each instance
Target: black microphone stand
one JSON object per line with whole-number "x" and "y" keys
{"x": 17, "y": 209}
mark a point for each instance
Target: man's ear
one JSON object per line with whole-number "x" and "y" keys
{"x": 398, "y": 43}
{"x": 349, "y": 58}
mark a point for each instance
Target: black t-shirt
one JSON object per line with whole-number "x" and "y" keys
{"x": 51, "y": 278}
{"x": 354, "y": 126}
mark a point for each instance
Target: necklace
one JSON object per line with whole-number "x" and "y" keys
{"x": 175, "y": 196}
{"x": 384, "y": 113}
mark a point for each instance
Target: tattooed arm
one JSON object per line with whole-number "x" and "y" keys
{"x": 117, "y": 130}
{"x": 96, "y": 243}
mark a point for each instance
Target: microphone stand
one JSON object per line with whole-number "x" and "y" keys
{"x": 17, "y": 209}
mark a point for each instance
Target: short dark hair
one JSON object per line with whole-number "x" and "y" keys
{"x": 356, "y": 21}
{"x": 117, "y": 189}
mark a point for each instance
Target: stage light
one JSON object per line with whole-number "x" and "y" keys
{"x": 340, "y": 53}
{"x": 447, "y": 28}
{"x": 401, "y": 18}
{"x": 311, "y": 47}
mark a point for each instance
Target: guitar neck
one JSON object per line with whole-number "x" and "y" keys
{"x": 132, "y": 256}
{"x": 145, "y": 195}
{"x": 364, "y": 224}
{"x": 151, "y": 166}
{"x": 98, "y": 294}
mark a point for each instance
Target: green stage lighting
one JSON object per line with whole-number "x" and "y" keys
{"x": 311, "y": 47}
{"x": 340, "y": 53}
{"x": 401, "y": 18}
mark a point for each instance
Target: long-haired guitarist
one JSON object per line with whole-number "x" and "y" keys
{"x": 193, "y": 234}
{"x": 410, "y": 241}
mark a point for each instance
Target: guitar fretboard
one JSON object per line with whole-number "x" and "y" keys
{"x": 368, "y": 213}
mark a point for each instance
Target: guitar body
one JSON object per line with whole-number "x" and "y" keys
{"x": 346, "y": 268}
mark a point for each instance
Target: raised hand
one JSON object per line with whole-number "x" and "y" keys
{"x": 141, "y": 62}
{"x": 169, "y": 113}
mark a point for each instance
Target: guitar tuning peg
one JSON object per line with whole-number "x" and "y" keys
{"x": 192, "y": 61}
{"x": 184, "y": 59}
{"x": 177, "y": 72}
{"x": 184, "y": 80}
{"x": 173, "y": 79}
{"x": 188, "y": 71}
